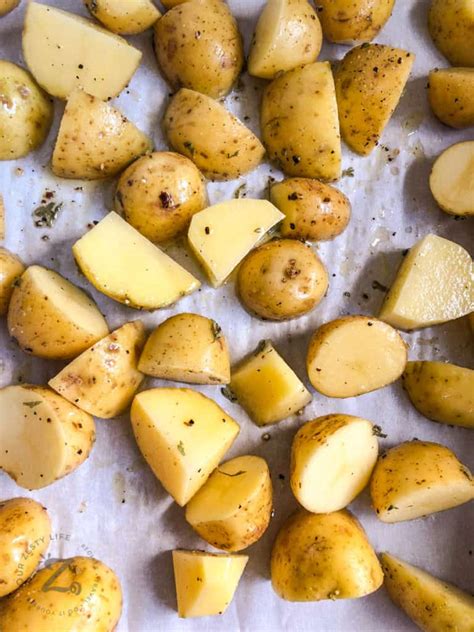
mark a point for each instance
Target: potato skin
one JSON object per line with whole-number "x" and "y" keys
{"x": 282, "y": 279}
{"x": 11, "y": 267}
{"x": 8, "y": 5}
{"x": 198, "y": 46}
{"x": 451, "y": 96}
{"x": 451, "y": 25}
{"x": 159, "y": 193}
{"x": 353, "y": 22}
{"x": 314, "y": 211}
{"x": 135, "y": 18}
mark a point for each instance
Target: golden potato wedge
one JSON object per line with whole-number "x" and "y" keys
{"x": 11, "y": 267}
{"x": 8, "y": 5}
{"x": 353, "y": 22}
{"x": 451, "y": 96}
{"x": 125, "y": 17}
{"x": 451, "y": 25}
{"x": 232, "y": 509}
{"x": 451, "y": 181}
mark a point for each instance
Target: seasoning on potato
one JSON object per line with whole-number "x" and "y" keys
{"x": 353, "y": 22}
{"x": 451, "y": 25}
{"x": 452, "y": 182}
{"x": 11, "y": 267}
{"x": 451, "y": 96}
{"x": 126, "y": 18}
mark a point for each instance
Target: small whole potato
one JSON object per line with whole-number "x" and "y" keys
{"x": 8, "y": 5}
{"x": 314, "y": 211}
{"x": 159, "y": 193}
{"x": 10, "y": 269}
{"x": 282, "y": 279}
{"x": 451, "y": 96}
{"x": 353, "y": 22}
{"x": 451, "y": 25}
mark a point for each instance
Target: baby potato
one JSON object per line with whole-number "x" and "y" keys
{"x": 314, "y": 211}
{"x": 353, "y": 22}
{"x": 159, "y": 193}
{"x": 451, "y": 25}
{"x": 451, "y": 96}
{"x": 198, "y": 46}
{"x": 11, "y": 267}
{"x": 126, "y": 17}
{"x": 282, "y": 279}
{"x": 25, "y": 531}
{"x": 323, "y": 556}
{"x": 451, "y": 181}
{"x": 8, "y": 5}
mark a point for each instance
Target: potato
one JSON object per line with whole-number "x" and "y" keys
{"x": 323, "y": 556}
{"x": 288, "y": 35}
{"x": 198, "y": 46}
{"x": 332, "y": 458}
{"x": 215, "y": 140}
{"x": 79, "y": 593}
{"x": 299, "y": 122}
{"x": 183, "y": 435}
{"x": 369, "y": 83}
{"x": 95, "y": 140}
{"x": 206, "y": 582}
{"x": 124, "y": 265}
{"x": 11, "y": 267}
{"x": 354, "y": 355}
{"x": 314, "y": 211}
{"x": 451, "y": 96}
{"x": 353, "y": 22}
{"x": 159, "y": 193}
{"x": 50, "y": 317}
{"x": 232, "y": 509}
{"x": 187, "y": 348}
{"x": 434, "y": 284}
{"x": 267, "y": 387}
{"x": 26, "y": 113}
{"x": 65, "y": 51}
{"x": 451, "y": 181}
{"x": 43, "y": 436}
{"x": 8, "y": 5}
{"x": 417, "y": 478}
{"x": 221, "y": 235}
{"x": 451, "y": 25}
{"x": 25, "y": 530}
{"x": 433, "y": 605}
{"x": 169, "y": 4}
{"x": 126, "y": 17}
{"x": 103, "y": 379}
{"x": 282, "y": 279}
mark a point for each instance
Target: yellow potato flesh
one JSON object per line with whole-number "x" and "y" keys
{"x": 452, "y": 181}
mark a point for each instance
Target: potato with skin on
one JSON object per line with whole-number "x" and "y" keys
{"x": 187, "y": 348}
{"x": 125, "y": 17}
{"x": 417, "y": 478}
{"x": 323, "y": 556}
{"x": 369, "y": 82}
{"x": 169, "y": 4}
{"x": 43, "y": 436}
{"x": 451, "y": 25}
{"x": 159, "y": 193}
{"x": 232, "y": 509}
{"x": 451, "y": 181}
{"x": 24, "y": 527}
{"x": 314, "y": 211}
{"x": 299, "y": 122}
{"x": 451, "y": 96}
{"x": 220, "y": 145}
{"x": 355, "y": 21}
{"x": 8, "y": 5}
{"x": 11, "y": 267}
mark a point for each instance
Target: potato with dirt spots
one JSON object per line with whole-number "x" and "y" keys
{"x": 353, "y": 21}
{"x": 11, "y": 267}
{"x": 451, "y": 25}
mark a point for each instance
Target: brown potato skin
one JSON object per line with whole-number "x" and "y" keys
{"x": 354, "y": 21}
{"x": 11, "y": 268}
{"x": 451, "y": 96}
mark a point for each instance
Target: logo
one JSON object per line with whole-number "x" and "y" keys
{"x": 74, "y": 588}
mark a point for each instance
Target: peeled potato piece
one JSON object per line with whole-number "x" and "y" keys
{"x": 11, "y": 268}
{"x": 452, "y": 179}
{"x": 451, "y": 96}
{"x": 126, "y": 17}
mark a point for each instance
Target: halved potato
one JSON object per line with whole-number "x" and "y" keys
{"x": 11, "y": 267}
{"x": 451, "y": 96}
{"x": 126, "y": 17}
{"x": 95, "y": 140}
{"x": 65, "y": 51}
{"x": 353, "y": 22}
{"x": 52, "y": 318}
{"x": 123, "y": 264}
{"x": 451, "y": 25}
{"x": 353, "y": 355}
{"x": 8, "y": 5}
{"x": 187, "y": 348}
{"x": 417, "y": 478}
{"x": 232, "y": 509}
{"x": 43, "y": 436}
{"x": 332, "y": 458}
{"x": 451, "y": 179}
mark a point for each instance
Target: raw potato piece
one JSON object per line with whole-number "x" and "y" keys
{"x": 8, "y": 5}
{"x": 11, "y": 268}
{"x": 51, "y": 318}
{"x": 332, "y": 458}
{"x": 452, "y": 181}
{"x": 288, "y": 34}
{"x": 95, "y": 140}
{"x": 103, "y": 379}
{"x": 183, "y": 435}
{"x": 43, "y": 436}
{"x": 353, "y": 22}
{"x": 369, "y": 83}
{"x": 124, "y": 265}
{"x": 299, "y": 122}
{"x": 451, "y": 96}
{"x": 65, "y": 51}
{"x": 355, "y": 355}
{"x": 432, "y": 604}
{"x": 206, "y": 582}
{"x": 232, "y": 509}
{"x": 434, "y": 284}
{"x": 187, "y": 348}
{"x": 267, "y": 387}
{"x": 221, "y": 235}
{"x": 417, "y": 478}
{"x": 126, "y": 17}
{"x": 323, "y": 556}
{"x": 451, "y": 25}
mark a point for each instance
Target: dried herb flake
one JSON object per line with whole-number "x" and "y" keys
{"x": 46, "y": 214}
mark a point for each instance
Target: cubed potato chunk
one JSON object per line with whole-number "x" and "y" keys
{"x": 267, "y": 387}
{"x": 11, "y": 267}
{"x": 451, "y": 96}
{"x": 126, "y": 17}
{"x": 451, "y": 179}
{"x": 183, "y": 435}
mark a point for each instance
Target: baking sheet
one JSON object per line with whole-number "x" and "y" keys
{"x": 112, "y": 507}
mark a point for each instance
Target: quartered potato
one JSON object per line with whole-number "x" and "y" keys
{"x": 43, "y": 436}
{"x": 417, "y": 478}
{"x": 11, "y": 267}
{"x": 353, "y": 22}
{"x": 126, "y": 17}
{"x": 451, "y": 179}
{"x": 451, "y": 25}
{"x": 451, "y": 96}
{"x": 8, "y": 5}
{"x": 353, "y": 355}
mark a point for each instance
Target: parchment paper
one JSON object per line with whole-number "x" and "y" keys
{"x": 112, "y": 507}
